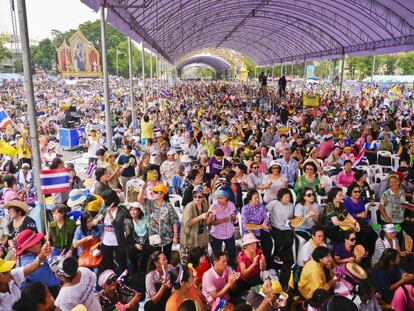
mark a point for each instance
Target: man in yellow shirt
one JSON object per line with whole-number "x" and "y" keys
{"x": 317, "y": 273}
{"x": 146, "y": 129}
{"x": 23, "y": 149}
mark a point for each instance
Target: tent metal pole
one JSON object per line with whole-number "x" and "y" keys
{"x": 144, "y": 100}
{"x": 371, "y": 84}
{"x": 304, "y": 75}
{"x": 151, "y": 75}
{"x": 342, "y": 74}
{"x": 131, "y": 85}
{"x": 31, "y": 106}
{"x": 108, "y": 117}
{"x": 157, "y": 73}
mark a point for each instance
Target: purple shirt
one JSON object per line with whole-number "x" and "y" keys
{"x": 254, "y": 215}
{"x": 225, "y": 230}
{"x": 341, "y": 252}
{"x": 355, "y": 208}
{"x": 216, "y": 166}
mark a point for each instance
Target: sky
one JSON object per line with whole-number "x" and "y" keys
{"x": 45, "y": 15}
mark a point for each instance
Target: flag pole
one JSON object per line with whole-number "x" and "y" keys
{"x": 31, "y": 106}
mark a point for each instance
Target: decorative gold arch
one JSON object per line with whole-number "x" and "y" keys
{"x": 235, "y": 59}
{"x": 78, "y": 58}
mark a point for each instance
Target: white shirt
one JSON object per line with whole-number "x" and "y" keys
{"x": 109, "y": 237}
{"x": 8, "y": 299}
{"x": 81, "y": 293}
{"x": 94, "y": 146}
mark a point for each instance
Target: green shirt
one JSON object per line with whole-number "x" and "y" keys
{"x": 332, "y": 211}
{"x": 62, "y": 238}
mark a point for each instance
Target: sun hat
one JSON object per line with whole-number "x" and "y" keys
{"x": 79, "y": 308}
{"x": 160, "y": 187}
{"x": 105, "y": 276}
{"x": 135, "y": 205}
{"x": 249, "y": 238}
{"x": 76, "y": 197}
{"x": 6, "y": 265}
{"x": 186, "y": 159}
{"x": 356, "y": 271}
{"x": 273, "y": 163}
{"x": 389, "y": 228}
{"x": 16, "y": 203}
{"x": 171, "y": 152}
{"x": 26, "y": 165}
{"x": 25, "y": 239}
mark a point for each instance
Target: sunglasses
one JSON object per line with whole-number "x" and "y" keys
{"x": 356, "y": 191}
{"x": 309, "y": 195}
{"x": 198, "y": 197}
{"x": 111, "y": 280}
{"x": 352, "y": 239}
{"x": 158, "y": 192}
{"x": 255, "y": 167}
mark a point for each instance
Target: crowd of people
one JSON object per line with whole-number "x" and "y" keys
{"x": 215, "y": 198}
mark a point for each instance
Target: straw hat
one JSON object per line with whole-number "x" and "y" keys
{"x": 356, "y": 271}
{"x": 15, "y": 203}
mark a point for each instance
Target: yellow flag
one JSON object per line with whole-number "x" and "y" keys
{"x": 5, "y": 148}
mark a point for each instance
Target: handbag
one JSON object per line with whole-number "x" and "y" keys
{"x": 86, "y": 259}
{"x": 155, "y": 239}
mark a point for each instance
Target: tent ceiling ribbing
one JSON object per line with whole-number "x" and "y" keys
{"x": 268, "y": 31}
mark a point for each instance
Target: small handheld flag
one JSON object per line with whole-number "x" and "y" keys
{"x": 5, "y": 119}
{"x": 164, "y": 92}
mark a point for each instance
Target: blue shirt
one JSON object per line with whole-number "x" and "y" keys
{"x": 289, "y": 169}
{"x": 95, "y": 232}
{"x": 130, "y": 170}
{"x": 42, "y": 274}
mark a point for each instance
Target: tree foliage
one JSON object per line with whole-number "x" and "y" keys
{"x": 4, "y": 53}
{"x": 43, "y": 55}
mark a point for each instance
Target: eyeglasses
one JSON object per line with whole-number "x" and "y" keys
{"x": 198, "y": 197}
{"x": 352, "y": 239}
{"x": 356, "y": 191}
{"x": 309, "y": 195}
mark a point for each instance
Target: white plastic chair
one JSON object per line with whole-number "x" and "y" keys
{"x": 395, "y": 162}
{"x": 373, "y": 170}
{"x": 387, "y": 155}
{"x": 373, "y": 208}
{"x": 293, "y": 195}
{"x": 328, "y": 168}
{"x": 272, "y": 152}
{"x": 174, "y": 198}
{"x": 380, "y": 177}
{"x": 333, "y": 179}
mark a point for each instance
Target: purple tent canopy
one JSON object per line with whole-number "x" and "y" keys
{"x": 268, "y": 31}
{"x": 212, "y": 61}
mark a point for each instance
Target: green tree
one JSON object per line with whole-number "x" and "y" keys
{"x": 406, "y": 63}
{"x": 43, "y": 55}
{"x": 4, "y": 53}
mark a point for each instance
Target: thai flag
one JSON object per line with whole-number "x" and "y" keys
{"x": 5, "y": 119}
{"x": 164, "y": 92}
{"x": 54, "y": 181}
{"x": 91, "y": 168}
{"x": 360, "y": 158}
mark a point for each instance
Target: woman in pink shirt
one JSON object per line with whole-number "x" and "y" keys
{"x": 347, "y": 176}
{"x": 10, "y": 192}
